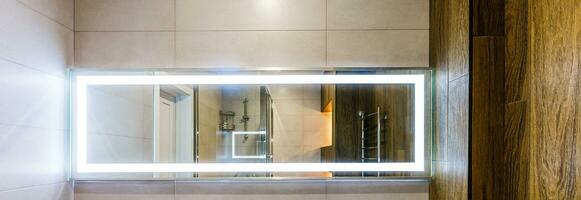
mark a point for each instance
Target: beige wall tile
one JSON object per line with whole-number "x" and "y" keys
{"x": 31, "y": 98}
{"x": 312, "y": 107}
{"x": 287, "y": 138}
{"x": 287, "y": 123}
{"x": 240, "y": 49}
{"x": 250, "y": 14}
{"x": 31, "y": 156}
{"x": 124, "y": 49}
{"x": 115, "y": 115}
{"x": 312, "y": 92}
{"x": 31, "y": 39}
{"x": 288, "y": 107}
{"x": 393, "y": 48}
{"x": 125, "y": 190}
{"x": 251, "y": 190}
{"x": 125, "y": 15}
{"x": 312, "y": 154}
{"x": 61, "y": 11}
{"x": 280, "y": 92}
{"x": 114, "y": 149}
{"x": 377, "y": 190}
{"x": 378, "y": 14}
{"x": 288, "y": 153}
{"x": 57, "y": 191}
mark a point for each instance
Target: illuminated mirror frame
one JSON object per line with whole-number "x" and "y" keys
{"x": 80, "y": 122}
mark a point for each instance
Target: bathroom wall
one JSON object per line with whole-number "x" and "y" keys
{"x": 292, "y": 34}
{"x": 36, "y": 47}
{"x": 530, "y": 51}
{"x": 252, "y": 33}
{"x": 210, "y": 102}
{"x": 120, "y": 124}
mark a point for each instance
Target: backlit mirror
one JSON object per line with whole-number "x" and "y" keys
{"x": 284, "y": 124}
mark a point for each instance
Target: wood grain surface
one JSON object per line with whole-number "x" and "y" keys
{"x": 488, "y": 107}
{"x": 449, "y": 56}
{"x": 554, "y": 119}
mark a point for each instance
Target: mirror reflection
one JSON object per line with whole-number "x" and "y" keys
{"x": 314, "y": 123}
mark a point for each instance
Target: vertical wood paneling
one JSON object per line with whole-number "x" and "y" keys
{"x": 512, "y": 178}
{"x": 487, "y": 115}
{"x": 449, "y": 45}
{"x": 437, "y": 60}
{"x": 456, "y": 37}
{"x": 395, "y": 102}
{"x": 457, "y": 130}
{"x": 555, "y": 61}
{"x": 516, "y": 48}
{"x": 488, "y": 17}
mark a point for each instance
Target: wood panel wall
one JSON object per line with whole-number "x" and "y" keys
{"x": 449, "y": 55}
{"x": 488, "y": 100}
{"x": 525, "y": 100}
{"x": 397, "y": 104}
{"x": 554, "y": 117}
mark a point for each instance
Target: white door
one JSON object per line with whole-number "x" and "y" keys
{"x": 166, "y": 131}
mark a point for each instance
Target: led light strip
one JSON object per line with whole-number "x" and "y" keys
{"x": 234, "y": 133}
{"x": 82, "y": 166}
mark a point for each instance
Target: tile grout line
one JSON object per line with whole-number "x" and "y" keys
{"x": 32, "y": 186}
{"x": 46, "y": 16}
{"x": 34, "y": 127}
{"x": 175, "y": 28}
{"x": 32, "y": 68}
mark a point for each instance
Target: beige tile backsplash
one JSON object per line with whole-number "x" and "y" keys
{"x": 241, "y": 49}
{"x": 394, "y": 48}
{"x": 378, "y": 14}
{"x": 250, "y": 15}
{"x": 124, "y": 15}
{"x": 251, "y": 33}
{"x": 124, "y": 49}
{"x": 36, "y": 47}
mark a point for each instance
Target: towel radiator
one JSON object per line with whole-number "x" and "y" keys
{"x": 371, "y": 136}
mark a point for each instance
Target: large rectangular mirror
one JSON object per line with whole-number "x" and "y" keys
{"x": 288, "y": 124}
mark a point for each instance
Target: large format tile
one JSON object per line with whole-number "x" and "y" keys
{"x": 31, "y": 98}
{"x": 57, "y": 191}
{"x": 114, "y": 115}
{"x": 393, "y": 48}
{"x": 288, "y": 107}
{"x": 287, "y": 138}
{"x": 287, "y": 153}
{"x": 31, "y": 156}
{"x": 31, "y": 39}
{"x": 288, "y": 123}
{"x": 285, "y": 91}
{"x": 124, "y": 49}
{"x": 125, "y": 190}
{"x": 115, "y": 149}
{"x": 125, "y": 15}
{"x": 250, "y": 14}
{"x": 377, "y": 190}
{"x": 257, "y": 190}
{"x": 378, "y": 14}
{"x": 60, "y": 11}
{"x": 239, "y": 49}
